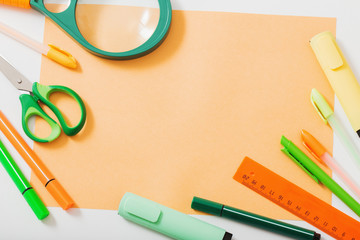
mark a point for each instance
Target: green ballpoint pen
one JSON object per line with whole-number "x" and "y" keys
{"x": 22, "y": 184}
{"x": 292, "y": 151}
{"x": 266, "y": 223}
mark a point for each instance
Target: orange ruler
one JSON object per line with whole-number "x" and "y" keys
{"x": 297, "y": 201}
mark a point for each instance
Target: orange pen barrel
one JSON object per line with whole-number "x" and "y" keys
{"x": 17, "y": 3}
{"x": 36, "y": 165}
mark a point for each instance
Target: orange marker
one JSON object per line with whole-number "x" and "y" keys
{"x": 36, "y": 165}
{"x": 320, "y": 153}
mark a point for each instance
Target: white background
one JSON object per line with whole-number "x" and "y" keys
{"x": 16, "y": 219}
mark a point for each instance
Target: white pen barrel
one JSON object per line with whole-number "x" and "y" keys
{"x": 344, "y": 138}
{"x": 340, "y": 172}
{"x": 38, "y": 47}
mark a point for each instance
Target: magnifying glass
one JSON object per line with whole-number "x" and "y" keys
{"x": 113, "y": 29}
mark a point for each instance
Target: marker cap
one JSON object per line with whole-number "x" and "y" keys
{"x": 289, "y": 149}
{"x": 312, "y": 145}
{"x": 61, "y": 56}
{"x": 321, "y": 105}
{"x": 59, "y": 194}
{"x": 207, "y": 206}
{"x": 36, "y": 204}
{"x": 339, "y": 74}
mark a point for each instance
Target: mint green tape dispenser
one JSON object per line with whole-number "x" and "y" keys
{"x": 148, "y": 27}
{"x": 167, "y": 221}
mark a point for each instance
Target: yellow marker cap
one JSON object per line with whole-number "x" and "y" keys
{"x": 321, "y": 105}
{"x": 60, "y": 56}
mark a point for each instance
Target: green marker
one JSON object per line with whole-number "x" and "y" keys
{"x": 269, "y": 224}
{"x": 22, "y": 184}
{"x": 292, "y": 151}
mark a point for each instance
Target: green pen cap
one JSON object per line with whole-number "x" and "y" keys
{"x": 207, "y": 206}
{"x": 36, "y": 204}
{"x": 288, "y": 144}
{"x": 321, "y": 105}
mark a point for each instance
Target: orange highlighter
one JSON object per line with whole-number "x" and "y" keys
{"x": 320, "y": 153}
{"x": 36, "y": 165}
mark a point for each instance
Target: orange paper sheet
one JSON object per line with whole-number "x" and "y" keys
{"x": 177, "y": 123}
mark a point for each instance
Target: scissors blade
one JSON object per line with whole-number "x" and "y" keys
{"x": 14, "y": 76}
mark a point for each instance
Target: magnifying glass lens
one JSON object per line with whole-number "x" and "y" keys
{"x": 117, "y": 28}
{"x": 56, "y": 6}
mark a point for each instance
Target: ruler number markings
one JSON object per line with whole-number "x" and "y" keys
{"x": 290, "y": 205}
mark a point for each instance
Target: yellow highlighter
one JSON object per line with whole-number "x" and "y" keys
{"x": 340, "y": 76}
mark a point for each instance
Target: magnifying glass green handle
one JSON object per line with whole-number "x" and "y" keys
{"x": 67, "y": 21}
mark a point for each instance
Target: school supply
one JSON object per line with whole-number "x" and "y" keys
{"x": 167, "y": 221}
{"x": 54, "y": 53}
{"x": 328, "y": 116}
{"x": 22, "y": 184}
{"x": 68, "y": 22}
{"x": 320, "y": 153}
{"x": 297, "y": 201}
{"x": 253, "y": 219}
{"x": 30, "y": 105}
{"x": 36, "y": 165}
{"x": 339, "y": 74}
{"x": 300, "y": 158}
{"x": 164, "y": 112}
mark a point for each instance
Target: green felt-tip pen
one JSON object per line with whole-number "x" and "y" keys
{"x": 256, "y": 220}
{"x": 292, "y": 151}
{"x": 22, "y": 184}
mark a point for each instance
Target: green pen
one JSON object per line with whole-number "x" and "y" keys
{"x": 266, "y": 223}
{"x": 22, "y": 184}
{"x": 292, "y": 151}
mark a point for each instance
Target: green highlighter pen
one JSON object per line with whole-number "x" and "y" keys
{"x": 269, "y": 224}
{"x": 292, "y": 151}
{"x": 168, "y": 221}
{"x": 22, "y": 184}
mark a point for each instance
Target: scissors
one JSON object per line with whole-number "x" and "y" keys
{"x": 41, "y": 93}
{"x": 67, "y": 21}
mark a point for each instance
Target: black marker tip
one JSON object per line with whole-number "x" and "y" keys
{"x": 227, "y": 236}
{"x": 317, "y": 236}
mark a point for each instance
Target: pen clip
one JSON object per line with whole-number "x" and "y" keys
{"x": 317, "y": 109}
{"x": 284, "y": 150}
{"x": 313, "y": 154}
{"x": 321, "y": 105}
{"x": 61, "y": 56}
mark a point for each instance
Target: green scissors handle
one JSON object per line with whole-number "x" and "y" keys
{"x": 30, "y": 107}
